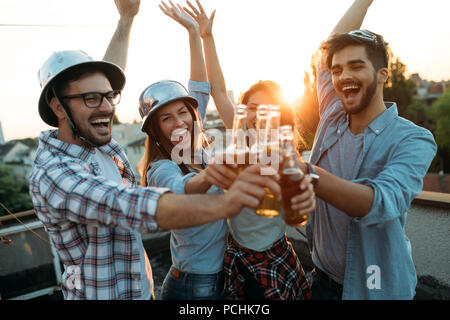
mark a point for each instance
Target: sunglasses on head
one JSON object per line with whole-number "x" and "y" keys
{"x": 364, "y": 34}
{"x": 369, "y": 36}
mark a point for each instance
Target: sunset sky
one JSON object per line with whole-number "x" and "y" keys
{"x": 256, "y": 39}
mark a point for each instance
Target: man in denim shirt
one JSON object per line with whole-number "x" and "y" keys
{"x": 371, "y": 163}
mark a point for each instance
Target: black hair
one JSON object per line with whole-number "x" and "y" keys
{"x": 376, "y": 51}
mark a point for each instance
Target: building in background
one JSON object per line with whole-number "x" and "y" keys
{"x": 429, "y": 91}
{"x": 130, "y": 137}
{"x": 125, "y": 133}
{"x": 19, "y": 155}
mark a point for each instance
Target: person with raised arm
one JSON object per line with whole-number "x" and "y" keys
{"x": 259, "y": 262}
{"x": 84, "y": 190}
{"x": 371, "y": 163}
{"x": 176, "y": 120}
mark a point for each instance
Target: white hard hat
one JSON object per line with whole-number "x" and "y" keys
{"x": 60, "y": 63}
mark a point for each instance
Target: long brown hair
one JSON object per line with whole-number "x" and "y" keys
{"x": 287, "y": 114}
{"x": 157, "y": 146}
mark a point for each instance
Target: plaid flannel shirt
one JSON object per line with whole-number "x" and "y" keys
{"x": 277, "y": 271}
{"x": 89, "y": 218}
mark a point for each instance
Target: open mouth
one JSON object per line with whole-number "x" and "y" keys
{"x": 178, "y": 135}
{"x": 101, "y": 125}
{"x": 350, "y": 90}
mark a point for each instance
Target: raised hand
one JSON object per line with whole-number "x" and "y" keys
{"x": 177, "y": 13}
{"x": 127, "y": 8}
{"x": 117, "y": 51}
{"x": 201, "y": 17}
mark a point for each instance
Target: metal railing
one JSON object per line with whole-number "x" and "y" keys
{"x": 30, "y": 227}
{"x": 10, "y": 228}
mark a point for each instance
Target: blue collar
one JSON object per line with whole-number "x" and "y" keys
{"x": 384, "y": 120}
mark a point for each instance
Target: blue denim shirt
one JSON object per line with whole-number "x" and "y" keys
{"x": 396, "y": 156}
{"x": 198, "y": 249}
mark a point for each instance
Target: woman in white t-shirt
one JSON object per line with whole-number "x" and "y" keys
{"x": 259, "y": 262}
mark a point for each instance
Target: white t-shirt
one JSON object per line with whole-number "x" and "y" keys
{"x": 256, "y": 232}
{"x": 110, "y": 171}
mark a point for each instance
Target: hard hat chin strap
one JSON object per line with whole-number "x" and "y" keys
{"x": 159, "y": 145}
{"x": 73, "y": 127}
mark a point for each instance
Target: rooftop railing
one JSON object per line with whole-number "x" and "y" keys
{"x": 27, "y": 252}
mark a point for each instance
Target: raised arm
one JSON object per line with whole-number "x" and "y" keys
{"x": 176, "y": 12}
{"x": 215, "y": 75}
{"x": 117, "y": 51}
{"x": 353, "y": 18}
{"x": 331, "y": 188}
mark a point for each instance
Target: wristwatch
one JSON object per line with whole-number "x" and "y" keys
{"x": 313, "y": 174}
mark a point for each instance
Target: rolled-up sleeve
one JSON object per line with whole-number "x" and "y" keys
{"x": 167, "y": 174}
{"x": 401, "y": 179}
{"x": 71, "y": 192}
{"x": 200, "y": 91}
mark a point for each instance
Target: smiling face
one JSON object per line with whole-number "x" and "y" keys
{"x": 94, "y": 124}
{"x": 354, "y": 78}
{"x": 175, "y": 121}
{"x": 258, "y": 98}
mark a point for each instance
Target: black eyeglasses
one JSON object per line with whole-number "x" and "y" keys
{"x": 95, "y": 99}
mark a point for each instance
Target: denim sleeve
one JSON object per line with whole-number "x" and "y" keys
{"x": 325, "y": 91}
{"x": 401, "y": 180}
{"x": 167, "y": 174}
{"x": 200, "y": 91}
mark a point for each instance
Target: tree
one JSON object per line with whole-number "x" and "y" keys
{"x": 307, "y": 110}
{"x": 441, "y": 115}
{"x": 13, "y": 193}
{"x": 399, "y": 89}
{"x": 420, "y": 114}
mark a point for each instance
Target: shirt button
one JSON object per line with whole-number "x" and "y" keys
{"x": 377, "y": 131}
{"x": 339, "y": 131}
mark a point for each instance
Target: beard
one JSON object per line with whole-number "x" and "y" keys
{"x": 94, "y": 137}
{"x": 365, "y": 100}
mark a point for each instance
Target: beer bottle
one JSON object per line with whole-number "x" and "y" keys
{"x": 237, "y": 153}
{"x": 258, "y": 136}
{"x": 291, "y": 176}
{"x": 262, "y": 117}
{"x": 269, "y": 155}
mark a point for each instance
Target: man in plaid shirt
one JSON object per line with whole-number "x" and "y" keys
{"x": 83, "y": 188}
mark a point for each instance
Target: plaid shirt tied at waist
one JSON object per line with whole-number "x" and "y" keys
{"x": 277, "y": 270}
